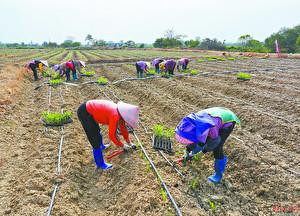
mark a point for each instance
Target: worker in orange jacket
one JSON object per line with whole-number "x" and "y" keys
{"x": 114, "y": 115}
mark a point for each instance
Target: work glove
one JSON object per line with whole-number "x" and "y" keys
{"x": 126, "y": 147}
{"x": 133, "y": 146}
{"x": 196, "y": 150}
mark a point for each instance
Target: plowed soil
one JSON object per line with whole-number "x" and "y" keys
{"x": 263, "y": 153}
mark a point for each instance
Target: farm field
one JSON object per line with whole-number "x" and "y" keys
{"x": 263, "y": 167}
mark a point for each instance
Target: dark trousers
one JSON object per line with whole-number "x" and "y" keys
{"x": 224, "y": 134}
{"x": 171, "y": 71}
{"x": 68, "y": 73}
{"x": 184, "y": 66}
{"x": 157, "y": 68}
{"x": 34, "y": 70}
{"x": 218, "y": 150}
{"x": 139, "y": 71}
{"x": 90, "y": 127}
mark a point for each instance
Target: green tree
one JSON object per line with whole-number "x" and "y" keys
{"x": 130, "y": 44}
{"x": 212, "y": 44}
{"x": 287, "y": 38}
{"x": 101, "y": 43}
{"x": 244, "y": 39}
{"x": 298, "y": 44}
{"x": 89, "y": 39}
{"x": 192, "y": 43}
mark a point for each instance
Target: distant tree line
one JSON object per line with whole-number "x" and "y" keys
{"x": 288, "y": 38}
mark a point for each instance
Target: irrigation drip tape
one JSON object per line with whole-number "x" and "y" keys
{"x": 60, "y": 148}
{"x": 52, "y": 200}
{"x": 172, "y": 165}
{"x": 163, "y": 184}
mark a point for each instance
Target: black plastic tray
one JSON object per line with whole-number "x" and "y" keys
{"x": 56, "y": 125}
{"x": 162, "y": 143}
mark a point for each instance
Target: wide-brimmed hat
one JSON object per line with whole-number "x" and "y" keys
{"x": 130, "y": 113}
{"x": 183, "y": 140}
{"x": 44, "y": 62}
{"x": 82, "y": 63}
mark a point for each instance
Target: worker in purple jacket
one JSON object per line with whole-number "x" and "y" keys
{"x": 156, "y": 63}
{"x": 170, "y": 66}
{"x": 182, "y": 64}
{"x": 141, "y": 67}
{"x": 207, "y": 131}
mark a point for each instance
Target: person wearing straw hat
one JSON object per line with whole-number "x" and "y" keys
{"x": 141, "y": 67}
{"x": 105, "y": 112}
{"x": 182, "y": 64}
{"x": 66, "y": 67}
{"x": 77, "y": 66}
{"x": 35, "y": 65}
{"x": 207, "y": 131}
{"x": 72, "y": 65}
{"x": 156, "y": 63}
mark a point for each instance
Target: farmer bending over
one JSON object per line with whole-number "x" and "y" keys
{"x": 106, "y": 113}
{"x": 183, "y": 63}
{"x": 36, "y": 64}
{"x": 78, "y": 65}
{"x": 67, "y": 67}
{"x": 141, "y": 67}
{"x": 170, "y": 66}
{"x": 156, "y": 63}
{"x": 207, "y": 131}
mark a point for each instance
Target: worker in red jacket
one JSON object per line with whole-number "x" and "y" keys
{"x": 114, "y": 115}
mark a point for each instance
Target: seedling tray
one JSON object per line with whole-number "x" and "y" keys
{"x": 243, "y": 79}
{"x": 87, "y": 75}
{"x": 129, "y": 129}
{"x": 162, "y": 143}
{"x": 56, "y": 124}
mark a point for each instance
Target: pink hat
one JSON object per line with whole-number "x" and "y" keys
{"x": 182, "y": 140}
{"x": 130, "y": 113}
{"x": 82, "y": 63}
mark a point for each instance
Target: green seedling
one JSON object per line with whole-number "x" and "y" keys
{"x": 88, "y": 73}
{"x": 148, "y": 167}
{"x": 55, "y": 75}
{"x": 169, "y": 213}
{"x": 193, "y": 72}
{"x": 211, "y": 59}
{"x": 163, "y": 195}
{"x": 158, "y": 130}
{"x": 196, "y": 157}
{"x": 169, "y": 132}
{"x": 184, "y": 71}
{"x": 102, "y": 81}
{"x": 194, "y": 184}
{"x": 56, "y": 118}
{"x": 212, "y": 205}
{"x": 244, "y": 76}
{"x": 215, "y": 58}
{"x": 231, "y": 59}
{"x": 200, "y": 60}
{"x": 220, "y": 59}
{"x": 56, "y": 82}
{"x": 151, "y": 72}
{"x": 46, "y": 73}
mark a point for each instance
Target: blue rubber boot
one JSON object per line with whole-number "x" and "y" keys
{"x": 99, "y": 160}
{"x": 220, "y": 166}
{"x": 74, "y": 76}
{"x": 103, "y": 146}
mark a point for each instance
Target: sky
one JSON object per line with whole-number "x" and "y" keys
{"x": 143, "y": 20}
